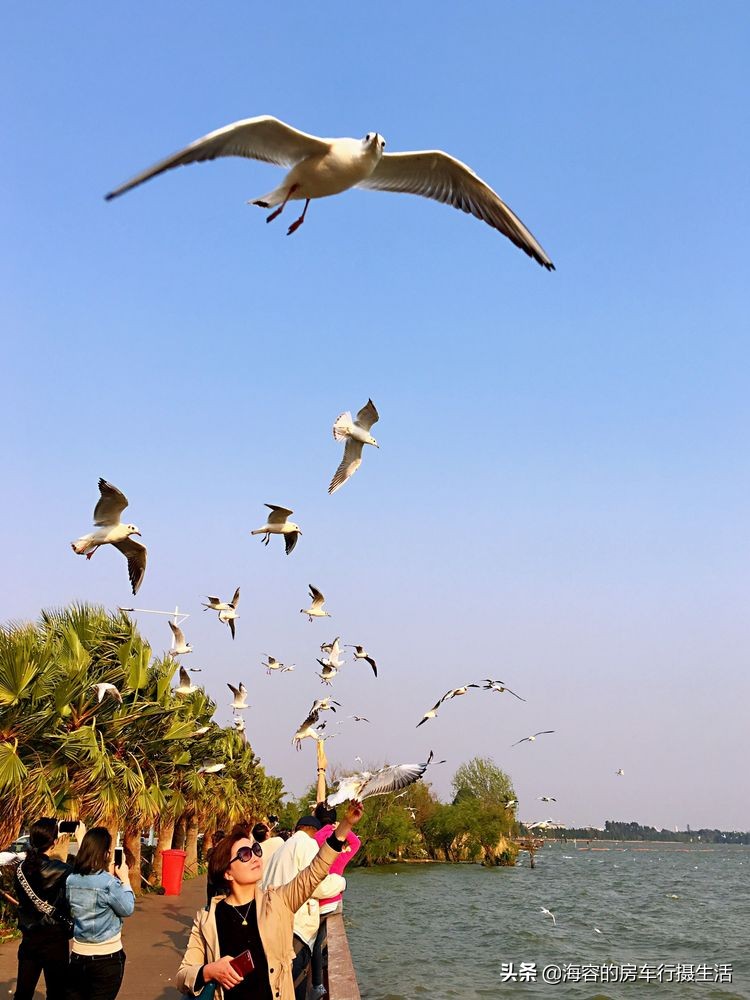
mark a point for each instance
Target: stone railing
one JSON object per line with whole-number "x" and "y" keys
{"x": 342, "y": 979}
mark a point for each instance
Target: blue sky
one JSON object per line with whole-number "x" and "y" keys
{"x": 560, "y": 497}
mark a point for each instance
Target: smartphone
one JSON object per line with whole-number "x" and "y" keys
{"x": 67, "y": 826}
{"x": 118, "y": 857}
{"x": 243, "y": 963}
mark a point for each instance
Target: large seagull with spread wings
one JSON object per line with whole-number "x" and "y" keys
{"x": 110, "y": 531}
{"x": 322, "y": 167}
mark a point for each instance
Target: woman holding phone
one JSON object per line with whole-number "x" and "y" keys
{"x": 243, "y": 941}
{"x": 43, "y": 916}
{"x": 99, "y": 896}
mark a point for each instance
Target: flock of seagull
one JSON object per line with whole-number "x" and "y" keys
{"x": 317, "y": 168}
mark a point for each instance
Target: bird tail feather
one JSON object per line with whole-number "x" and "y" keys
{"x": 274, "y": 197}
{"x": 81, "y": 545}
{"x": 342, "y": 426}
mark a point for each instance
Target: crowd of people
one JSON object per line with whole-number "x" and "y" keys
{"x": 260, "y": 936}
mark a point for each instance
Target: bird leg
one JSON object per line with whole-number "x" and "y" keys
{"x": 90, "y": 554}
{"x": 280, "y": 209}
{"x": 295, "y": 225}
{"x": 267, "y": 539}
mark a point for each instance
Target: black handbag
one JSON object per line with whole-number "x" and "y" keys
{"x": 55, "y": 917}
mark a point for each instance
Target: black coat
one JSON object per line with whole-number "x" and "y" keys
{"x": 48, "y": 882}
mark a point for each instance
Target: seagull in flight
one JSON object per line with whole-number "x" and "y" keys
{"x": 620, "y": 773}
{"x": 321, "y": 167}
{"x": 430, "y": 714}
{"x": 111, "y": 531}
{"x": 228, "y": 615}
{"x": 216, "y": 604}
{"x": 103, "y": 689}
{"x": 324, "y": 705}
{"x": 239, "y": 701}
{"x": 185, "y": 686}
{"x": 307, "y": 730}
{"x": 388, "y": 779}
{"x": 328, "y": 672}
{"x": 274, "y": 664}
{"x": 239, "y": 726}
{"x": 180, "y": 646}
{"x": 547, "y": 798}
{"x": 277, "y": 524}
{"x": 356, "y": 433}
{"x": 360, "y": 653}
{"x": 547, "y": 913}
{"x": 316, "y": 608}
{"x": 531, "y": 739}
{"x": 358, "y": 718}
{"x": 457, "y": 692}
{"x": 499, "y": 686}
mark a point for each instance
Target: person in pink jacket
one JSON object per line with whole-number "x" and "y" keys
{"x": 327, "y": 906}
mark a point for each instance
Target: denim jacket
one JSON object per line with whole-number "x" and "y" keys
{"x": 97, "y": 904}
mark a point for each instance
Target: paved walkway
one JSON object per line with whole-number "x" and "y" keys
{"x": 154, "y": 939}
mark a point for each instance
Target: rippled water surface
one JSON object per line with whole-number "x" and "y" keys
{"x": 442, "y": 931}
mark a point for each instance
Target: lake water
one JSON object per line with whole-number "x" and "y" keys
{"x": 444, "y": 931}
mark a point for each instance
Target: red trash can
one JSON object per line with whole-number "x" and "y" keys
{"x": 173, "y": 867}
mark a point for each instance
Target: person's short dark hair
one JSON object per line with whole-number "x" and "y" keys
{"x": 311, "y": 822}
{"x": 285, "y": 833}
{"x": 94, "y": 853}
{"x": 221, "y": 855}
{"x": 260, "y": 832}
{"x": 325, "y": 814}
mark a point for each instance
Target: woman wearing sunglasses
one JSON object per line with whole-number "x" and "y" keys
{"x": 254, "y": 920}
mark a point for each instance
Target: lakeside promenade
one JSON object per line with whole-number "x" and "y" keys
{"x": 154, "y": 939}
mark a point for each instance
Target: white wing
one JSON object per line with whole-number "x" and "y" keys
{"x": 263, "y": 138}
{"x": 110, "y": 505}
{"x": 434, "y": 174}
{"x": 349, "y": 464}
{"x": 184, "y": 678}
{"x": 367, "y": 416}
{"x": 390, "y": 779}
{"x": 278, "y": 514}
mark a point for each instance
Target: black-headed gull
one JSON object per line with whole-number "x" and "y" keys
{"x": 239, "y": 701}
{"x": 277, "y": 524}
{"x": 216, "y": 603}
{"x": 111, "y": 531}
{"x": 322, "y": 167}
{"x": 531, "y": 739}
{"x": 360, "y": 653}
{"x": 388, "y": 779}
{"x": 316, "y": 608}
{"x": 228, "y": 615}
{"x": 457, "y": 692}
{"x": 103, "y": 689}
{"x": 274, "y": 664}
{"x": 356, "y": 433}
{"x": 185, "y": 686}
{"x": 180, "y": 647}
{"x": 307, "y": 730}
{"x": 547, "y": 913}
{"x": 430, "y": 714}
{"x": 499, "y": 686}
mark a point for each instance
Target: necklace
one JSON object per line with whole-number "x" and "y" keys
{"x": 236, "y": 909}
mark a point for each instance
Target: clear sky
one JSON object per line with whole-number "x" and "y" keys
{"x": 560, "y": 496}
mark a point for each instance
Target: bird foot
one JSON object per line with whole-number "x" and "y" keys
{"x": 90, "y": 554}
{"x": 275, "y": 215}
{"x": 295, "y": 226}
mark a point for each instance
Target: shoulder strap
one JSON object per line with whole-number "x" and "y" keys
{"x": 47, "y": 908}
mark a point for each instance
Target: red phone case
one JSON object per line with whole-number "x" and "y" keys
{"x": 243, "y": 963}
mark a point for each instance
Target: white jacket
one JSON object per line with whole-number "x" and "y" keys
{"x": 289, "y": 861}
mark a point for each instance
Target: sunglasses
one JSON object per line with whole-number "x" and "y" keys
{"x": 245, "y": 853}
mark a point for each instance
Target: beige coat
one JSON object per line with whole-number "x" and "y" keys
{"x": 275, "y": 910}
